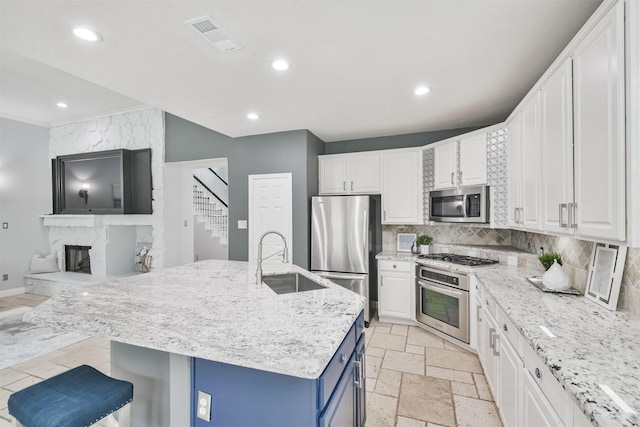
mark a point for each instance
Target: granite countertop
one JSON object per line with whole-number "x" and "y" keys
{"x": 396, "y": 256}
{"x": 213, "y": 310}
{"x": 593, "y": 346}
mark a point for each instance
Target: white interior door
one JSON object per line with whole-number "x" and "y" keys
{"x": 270, "y": 201}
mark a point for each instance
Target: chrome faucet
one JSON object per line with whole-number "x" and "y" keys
{"x": 284, "y": 251}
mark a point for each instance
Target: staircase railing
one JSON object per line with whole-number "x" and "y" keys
{"x": 211, "y": 206}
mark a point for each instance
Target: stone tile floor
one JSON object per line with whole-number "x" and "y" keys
{"x": 414, "y": 379}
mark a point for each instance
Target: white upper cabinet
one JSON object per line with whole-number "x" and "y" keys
{"x": 556, "y": 151}
{"x": 357, "y": 173}
{"x": 530, "y": 138}
{"x": 473, "y": 160}
{"x": 599, "y": 139}
{"x": 402, "y": 187}
{"x": 446, "y": 165}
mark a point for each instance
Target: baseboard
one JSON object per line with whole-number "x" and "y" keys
{"x": 13, "y": 291}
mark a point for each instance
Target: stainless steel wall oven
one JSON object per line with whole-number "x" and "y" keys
{"x": 442, "y": 301}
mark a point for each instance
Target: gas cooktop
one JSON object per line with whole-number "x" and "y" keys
{"x": 459, "y": 259}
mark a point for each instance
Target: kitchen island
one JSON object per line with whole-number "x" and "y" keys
{"x": 174, "y": 327}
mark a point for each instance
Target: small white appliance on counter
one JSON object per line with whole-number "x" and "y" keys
{"x": 467, "y": 204}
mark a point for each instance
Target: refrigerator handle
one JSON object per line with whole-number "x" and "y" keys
{"x": 344, "y": 276}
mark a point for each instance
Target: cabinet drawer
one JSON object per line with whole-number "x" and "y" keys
{"x": 551, "y": 388}
{"x": 329, "y": 378}
{"x": 395, "y": 265}
{"x": 510, "y": 332}
{"x": 490, "y": 304}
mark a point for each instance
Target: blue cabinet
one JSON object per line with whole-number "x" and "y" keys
{"x": 250, "y": 397}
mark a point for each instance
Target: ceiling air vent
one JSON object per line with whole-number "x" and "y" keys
{"x": 211, "y": 31}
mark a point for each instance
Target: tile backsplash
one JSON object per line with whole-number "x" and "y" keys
{"x": 576, "y": 254}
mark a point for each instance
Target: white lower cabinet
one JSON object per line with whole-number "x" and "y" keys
{"x": 524, "y": 389}
{"x": 537, "y": 411}
{"x": 396, "y": 296}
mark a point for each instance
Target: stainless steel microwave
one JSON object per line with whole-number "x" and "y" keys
{"x": 467, "y": 204}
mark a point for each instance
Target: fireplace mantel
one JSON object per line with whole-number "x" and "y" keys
{"x": 95, "y": 221}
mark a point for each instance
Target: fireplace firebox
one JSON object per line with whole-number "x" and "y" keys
{"x": 77, "y": 259}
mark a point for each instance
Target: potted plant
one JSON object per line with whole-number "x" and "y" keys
{"x": 547, "y": 258}
{"x": 424, "y": 241}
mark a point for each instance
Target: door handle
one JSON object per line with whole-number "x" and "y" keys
{"x": 385, "y": 214}
{"x": 492, "y": 332}
{"x": 460, "y": 176}
{"x": 344, "y": 185}
{"x": 571, "y": 208}
{"x": 358, "y": 377}
{"x": 496, "y": 351}
{"x": 452, "y": 173}
{"x": 479, "y": 313}
{"x": 351, "y": 185}
{"x": 561, "y": 216}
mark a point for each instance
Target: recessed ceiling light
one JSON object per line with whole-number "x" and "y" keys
{"x": 62, "y": 105}
{"x": 253, "y": 116}
{"x": 280, "y": 65}
{"x": 87, "y": 34}
{"x": 421, "y": 90}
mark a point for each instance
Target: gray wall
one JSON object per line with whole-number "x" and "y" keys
{"x": 284, "y": 152}
{"x": 393, "y": 141}
{"x": 25, "y": 194}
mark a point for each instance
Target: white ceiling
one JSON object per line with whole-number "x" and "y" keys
{"x": 354, "y": 64}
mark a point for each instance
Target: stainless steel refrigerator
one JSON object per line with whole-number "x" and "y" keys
{"x": 346, "y": 235}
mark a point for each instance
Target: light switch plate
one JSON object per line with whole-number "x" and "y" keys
{"x": 204, "y": 406}
{"x": 242, "y": 224}
{"x": 5, "y": 225}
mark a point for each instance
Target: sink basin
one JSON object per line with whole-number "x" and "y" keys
{"x": 290, "y": 282}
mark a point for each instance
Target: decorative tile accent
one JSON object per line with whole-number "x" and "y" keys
{"x": 497, "y": 160}
{"x": 455, "y": 234}
{"x": 428, "y": 161}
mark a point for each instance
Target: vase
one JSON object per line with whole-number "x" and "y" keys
{"x": 424, "y": 249}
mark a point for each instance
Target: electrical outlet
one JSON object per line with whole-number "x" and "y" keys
{"x": 5, "y": 225}
{"x": 204, "y": 406}
{"x": 5, "y": 277}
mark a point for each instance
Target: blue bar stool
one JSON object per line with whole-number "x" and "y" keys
{"x": 76, "y": 398}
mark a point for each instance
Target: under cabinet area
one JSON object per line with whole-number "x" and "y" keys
{"x": 357, "y": 173}
{"x": 396, "y": 295}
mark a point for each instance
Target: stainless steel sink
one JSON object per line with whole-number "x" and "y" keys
{"x": 290, "y": 282}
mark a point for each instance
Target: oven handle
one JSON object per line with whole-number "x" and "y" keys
{"x": 440, "y": 288}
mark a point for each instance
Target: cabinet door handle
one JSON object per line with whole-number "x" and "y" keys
{"x": 538, "y": 373}
{"x": 344, "y": 185}
{"x": 385, "y": 214}
{"x": 460, "y": 176}
{"x": 571, "y": 207}
{"x": 561, "y": 216}
{"x": 358, "y": 377}
{"x": 452, "y": 173}
{"x": 492, "y": 333}
{"x": 479, "y": 313}
{"x": 496, "y": 351}
{"x": 351, "y": 185}
{"x": 395, "y": 266}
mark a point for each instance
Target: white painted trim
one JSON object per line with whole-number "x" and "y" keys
{"x": 251, "y": 179}
{"x": 13, "y": 291}
{"x": 102, "y": 115}
{"x": 632, "y": 73}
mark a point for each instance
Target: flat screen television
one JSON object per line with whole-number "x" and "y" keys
{"x": 103, "y": 182}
